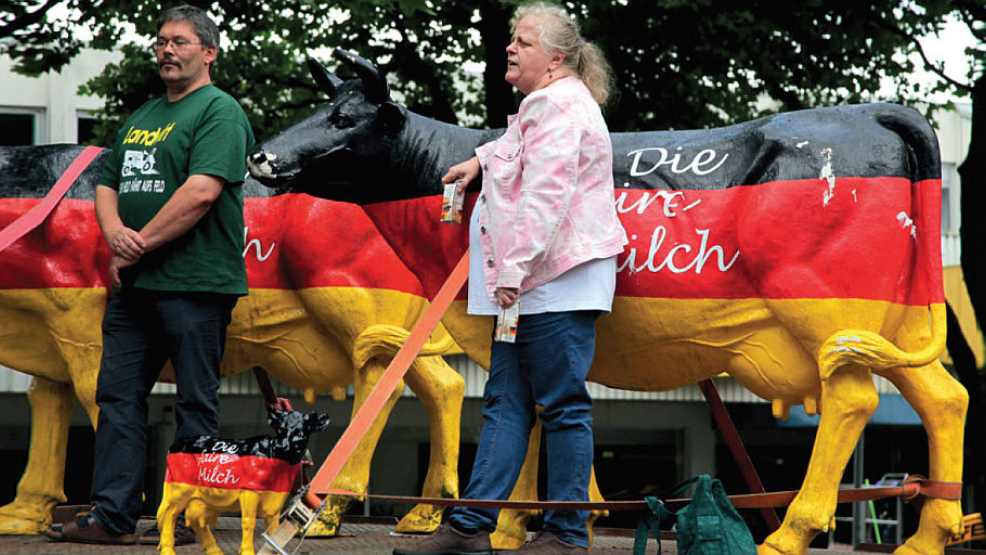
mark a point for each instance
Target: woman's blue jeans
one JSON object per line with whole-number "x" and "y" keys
{"x": 546, "y": 366}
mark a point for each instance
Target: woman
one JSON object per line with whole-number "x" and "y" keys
{"x": 545, "y": 234}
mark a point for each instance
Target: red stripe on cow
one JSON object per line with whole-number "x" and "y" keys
{"x": 851, "y": 238}
{"x": 848, "y": 238}
{"x": 231, "y": 472}
{"x": 292, "y": 242}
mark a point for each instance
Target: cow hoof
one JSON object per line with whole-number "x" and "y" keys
{"x": 504, "y": 540}
{"x": 16, "y": 520}
{"x": 421, "y": 520}
{"x": 326, "y": 525}
{"x": 771, "y": 546}
{"x": 907, "y": 550}
{"x": 19, "y": 527}
{"x": 940, "y": 518}
{"x": 922, "y": 544}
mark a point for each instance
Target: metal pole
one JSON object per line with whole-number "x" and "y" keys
{"x": 858, "y": 509}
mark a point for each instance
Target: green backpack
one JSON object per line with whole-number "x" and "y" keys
{"x": 708, "y": 525}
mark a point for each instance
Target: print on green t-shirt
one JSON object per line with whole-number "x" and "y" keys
{"x": 159, "y": 147}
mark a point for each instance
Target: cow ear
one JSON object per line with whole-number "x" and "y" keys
{"x": 391, "y": 117}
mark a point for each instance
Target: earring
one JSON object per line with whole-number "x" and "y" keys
{"x": 549, "y": 74}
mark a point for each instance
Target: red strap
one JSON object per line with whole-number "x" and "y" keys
{"x": 388, "y": 382}
{"x": 33, "y": 217}
{"x": 908, "y": 490}
{"x": 736, "y": 447}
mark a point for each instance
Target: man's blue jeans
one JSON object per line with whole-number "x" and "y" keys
{"x": 141, "y": 331}
{"x": 547, "y": 366}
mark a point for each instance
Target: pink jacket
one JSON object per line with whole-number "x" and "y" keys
{"x": 547, "y": 202}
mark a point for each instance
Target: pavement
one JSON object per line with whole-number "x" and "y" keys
{"x": 358, "y": 536}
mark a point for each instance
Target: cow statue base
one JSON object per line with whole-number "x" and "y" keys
{"x": 208, "y": 475}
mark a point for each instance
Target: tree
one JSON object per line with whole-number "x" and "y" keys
{"x": 678, "y": 64}
{"x": 262, "y": 57}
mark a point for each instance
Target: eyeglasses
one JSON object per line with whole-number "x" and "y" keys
{"x": 179, "y": 44}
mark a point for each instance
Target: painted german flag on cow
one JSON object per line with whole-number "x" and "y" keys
{"x": 212, "y": 466}
{"x": 848, "y": 237}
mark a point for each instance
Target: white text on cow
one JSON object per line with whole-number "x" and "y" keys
{"x": 257, "y": 246}
{"x": 215, "y": 475}
{"x": 699, "y": 164}
{"x": 655, "y": 253}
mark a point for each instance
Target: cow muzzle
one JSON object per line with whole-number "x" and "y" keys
{"x": 263, "y": 167}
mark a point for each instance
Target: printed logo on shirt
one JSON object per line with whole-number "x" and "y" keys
{"x": 138, "y": 163}
{"x": 147, "y": 138}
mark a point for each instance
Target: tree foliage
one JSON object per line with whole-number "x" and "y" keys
{"x": 678, "y": 63}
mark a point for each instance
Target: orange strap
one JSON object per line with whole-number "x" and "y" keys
{"x": 912, "y": 487}
{"x": 388, "y": 382}
{"x": 33, "y": 217}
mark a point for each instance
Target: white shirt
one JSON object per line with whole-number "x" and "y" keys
{"x": 588, "y": 286}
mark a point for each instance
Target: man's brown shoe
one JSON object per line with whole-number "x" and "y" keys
{"x": 85, "y": 529}
{"x": 449, "y": 541}
{"x": 546, "y": 543}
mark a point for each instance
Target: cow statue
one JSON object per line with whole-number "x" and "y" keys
{"x": 208, "y": 475}
{"x": 799, "y": 253}
{"x": 330, "y": 303}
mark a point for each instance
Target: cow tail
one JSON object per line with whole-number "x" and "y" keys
{"x": 876, "y": 352}
{"x": 385, "y": 340}
{"x": 871, "y": 349}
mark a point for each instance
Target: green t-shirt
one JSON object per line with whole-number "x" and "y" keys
{"x": 159, "y": 147}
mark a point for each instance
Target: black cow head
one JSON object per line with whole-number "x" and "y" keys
{"x": 345, "y": 136}
{"x": 293, "y": 423}
{"x": 293, "y": 428}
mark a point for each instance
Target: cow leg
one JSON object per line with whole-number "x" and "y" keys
{"x": 249, "y": 503}
{"x": 941, "y": 402}
{"x": 849, "y": 398}
{"x": 440, "y": 389}
{"x": 167, "y": 513}
{"x": 596, "y": 496}
{"x": 355, "y": 474}
{"x": 199, "y": 517}
{"x": 41, "y": 486}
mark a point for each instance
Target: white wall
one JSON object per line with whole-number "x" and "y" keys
{"x": 53, "y": 97}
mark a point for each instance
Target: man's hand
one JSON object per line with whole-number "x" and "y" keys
{"x": 117, "y": 263}
{"x": 126, "y": 243}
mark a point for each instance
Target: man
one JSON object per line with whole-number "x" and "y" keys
{"x": 170, "y": 205}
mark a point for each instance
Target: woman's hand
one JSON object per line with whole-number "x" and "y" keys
{"x": 506, "y": 296}
{"x": 466, "y": 172}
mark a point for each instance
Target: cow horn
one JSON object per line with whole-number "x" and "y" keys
{"x": 374, "y": 84}
{"x": 325, "y": 78}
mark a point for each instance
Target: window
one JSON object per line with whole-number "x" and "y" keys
{"x": 17, "y": 129}
{"x": 86, "y": 129}
{"x": 950, "y": 190}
